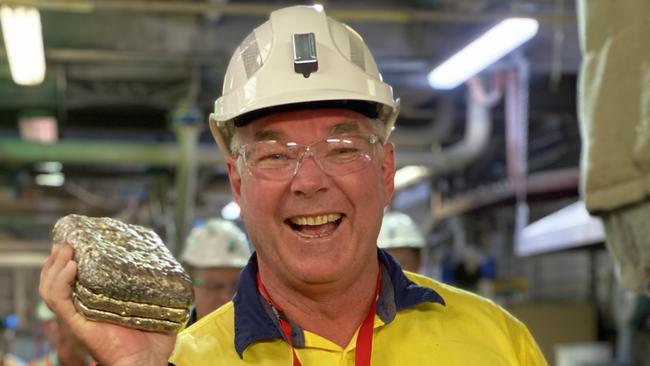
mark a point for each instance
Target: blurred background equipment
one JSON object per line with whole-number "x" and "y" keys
{"x": 616, "y": 160}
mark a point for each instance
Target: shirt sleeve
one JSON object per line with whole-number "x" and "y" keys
{"x": 528, "y": 351}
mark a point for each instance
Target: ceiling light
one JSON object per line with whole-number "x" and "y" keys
{"x": 21, "y": 29}
{"x": 50, "y": 180}
{"x": 483, "y": 52}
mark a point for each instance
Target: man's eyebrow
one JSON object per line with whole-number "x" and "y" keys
{"x": 266, "y": 135}
{"x": 345, "y": 127}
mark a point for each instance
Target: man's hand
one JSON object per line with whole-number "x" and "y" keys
{"x": 109, "y": 344}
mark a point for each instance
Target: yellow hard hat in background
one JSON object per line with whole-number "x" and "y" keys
{"x": 217, "y": 243}
{"x": 300, "y": 58}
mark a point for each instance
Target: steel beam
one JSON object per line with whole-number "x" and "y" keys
{"x": 103, "y": 152}
{"x": 358, "y": 14}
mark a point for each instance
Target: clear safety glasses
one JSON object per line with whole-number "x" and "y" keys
{"x": 336, "y": 156}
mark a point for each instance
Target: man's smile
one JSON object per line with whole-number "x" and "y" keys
{"x": 315, "y": 226}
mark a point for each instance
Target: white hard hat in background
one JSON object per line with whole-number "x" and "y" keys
{"x": 43, "y": 312}
{"x": 217, "y": 243}
{"x": 300, "y": 56}
{"x": 399, "y": 231}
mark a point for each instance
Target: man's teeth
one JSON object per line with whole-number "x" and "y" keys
{"x": 315, "y": 220}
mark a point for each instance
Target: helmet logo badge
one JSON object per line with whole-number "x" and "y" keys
{"x": 304, "y": 54}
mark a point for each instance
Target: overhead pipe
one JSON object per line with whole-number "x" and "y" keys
{"x": 537, "y": 183}
{"x": 478, "y": 129}
{"x": 187, "y": 126}
{"x": 185, "y": 183}
{"x": 517, "y": 139}
{"x": 99, "y": 55}
{"x": 432, "y": 134}
{"x": 103, "y": 152}
{"x": 359, "y": 14}
{"x": 22, "y": 259}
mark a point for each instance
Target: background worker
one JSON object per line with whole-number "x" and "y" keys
{"x": 65, "y": 349}
{"x": 214, "y": 254}
{"x": 402, "y": 239}
{"x": 8, "y": 326}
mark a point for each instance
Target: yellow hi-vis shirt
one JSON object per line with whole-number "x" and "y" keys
{"x": 440, "y": 325}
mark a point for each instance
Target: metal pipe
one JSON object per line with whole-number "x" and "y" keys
{"x": 22, "y": 259}
{"x": 478, "y": 129}
{"x": 389, "y": 15}
{"x": 103, "y": 152}
{"x": 99, "y": 55}
{"x": 20, "y": 294}
{"x": 430, "y": 135}
{"x": 185, "y": 181}
{"x": 547, "y": 181}
{"x": 517, "y": 139}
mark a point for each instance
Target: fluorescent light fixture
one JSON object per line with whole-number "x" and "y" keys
{"x": 230, "y": 211}
{"x": 50, "y": 180}
{"x": 21, "y": 29}
{"x": 318, "y": 7}
{"x": 483, "y": 52}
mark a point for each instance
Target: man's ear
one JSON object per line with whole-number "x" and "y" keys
{"x": 234, "y": 177}
{"x": 388, "y": 171}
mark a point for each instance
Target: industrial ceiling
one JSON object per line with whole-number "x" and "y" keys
{"x": 125, "y": 79}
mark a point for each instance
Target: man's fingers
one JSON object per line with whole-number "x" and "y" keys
{"x": 65, "y": 280}
{"x": 65, "y": 307}
{"x": 47, "y": 264}
{"x": 52, "y": 265}
{"x": 56, "y": 289}
{"x": 57, "y": 277}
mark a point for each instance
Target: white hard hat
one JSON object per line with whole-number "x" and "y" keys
{"x": 217, "y": 243}
{"x": 299, "y": 58}
{"x": 399, "y": 231}
{"x": 43, "y": 312}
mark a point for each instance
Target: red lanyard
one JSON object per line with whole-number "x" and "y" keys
{"x": 364, "y": 337}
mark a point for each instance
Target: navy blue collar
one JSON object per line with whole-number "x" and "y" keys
{"x": 255, "y": 320}
{"x": 193, "y": 316}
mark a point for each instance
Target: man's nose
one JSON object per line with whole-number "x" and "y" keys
{"x": 309, "y": 177}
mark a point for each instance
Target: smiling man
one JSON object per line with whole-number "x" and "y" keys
{"x": 304, "y": 120}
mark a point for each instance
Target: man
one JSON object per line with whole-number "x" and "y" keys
{"x": 402, "y": 239}
{"x": 215, "y": 253}
{"x": 304, "y": 121}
